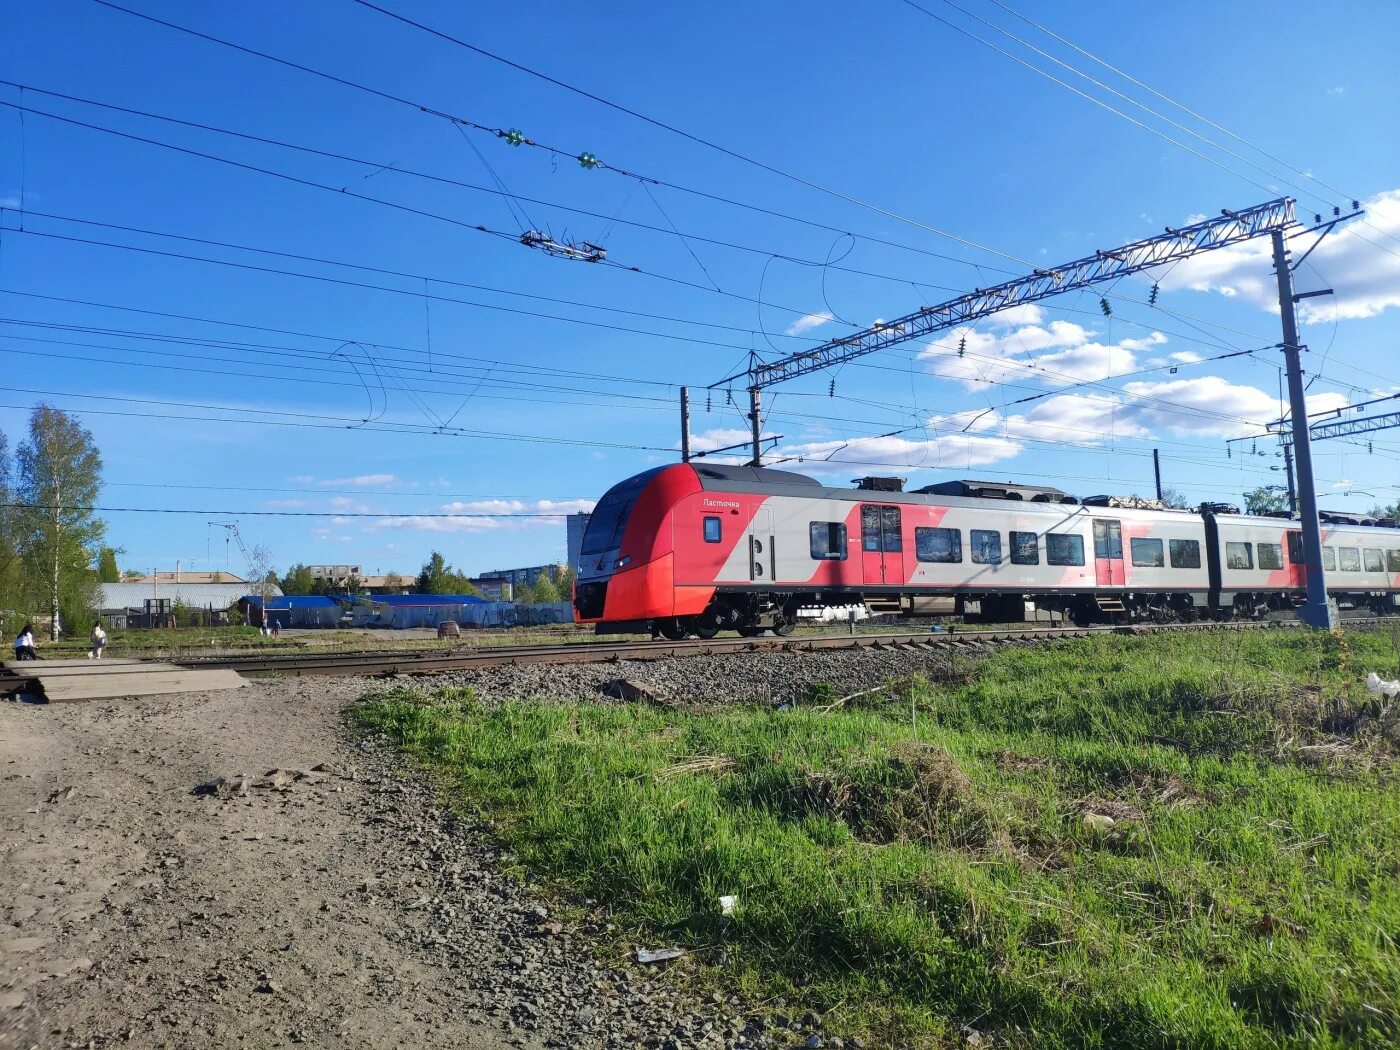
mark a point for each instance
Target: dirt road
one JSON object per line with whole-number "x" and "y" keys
{"x": 332, "y": 908}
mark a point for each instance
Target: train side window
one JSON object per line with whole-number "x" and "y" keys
{"x": 1185, "y": 554}
{"x": 1146, "y": 553}
{"x": 870, "y": 528}
{"x": 714, "y": 530}
{"x": 1349, "y": 558}
{"x": 1295, "y": 548}
{"x": 1270, "y": 556}
{"x": 1329, "y": 559}
{"x": 1375, "y": 560}
{"x": 1239, "y": 555}
{"x": 1025, "y": 549}
{"x": 828, "y": 540}
{"x": 891, "y": 531}
{"x": 1062, "y": 548}
{"x": 943, "y": 545}
{"x": 880, "y": 529}
{"x": 986, "y": 547}
{"x": 1392, "y": 561}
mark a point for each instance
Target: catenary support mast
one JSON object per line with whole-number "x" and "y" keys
{"x": 1318, "y": 612}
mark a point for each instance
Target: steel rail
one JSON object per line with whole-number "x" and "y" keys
{"x": 387, "y": 664}
{"x": 416, "y": 663}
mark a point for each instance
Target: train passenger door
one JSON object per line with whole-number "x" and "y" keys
{"x": 1108, "y": 552}
{"x": 763, "y": 559}
{"x": 881, "y": 544}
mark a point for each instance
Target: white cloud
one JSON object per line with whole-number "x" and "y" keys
{"x": 11, "y": 201}
{"x": 809, "y": 321}
{"x": 1195, "y": 217}
{"x": 1017, "y": 352}
{"x": 1355, "y": 260}
{"x": 1187, "y": 357}
{"x": 1336, "y": 92}
{"x": 286, "y": 504}
{"x": 1203, "y": 405}
{"x": 359, "y": 481}
{"x": 865, "y": 454}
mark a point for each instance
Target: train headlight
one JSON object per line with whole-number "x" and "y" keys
{"x": 623, "y": 562}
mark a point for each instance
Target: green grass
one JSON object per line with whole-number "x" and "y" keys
{"x": 910, "y": 879}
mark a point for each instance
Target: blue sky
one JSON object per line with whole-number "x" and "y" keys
{"x": 396, "y": 389}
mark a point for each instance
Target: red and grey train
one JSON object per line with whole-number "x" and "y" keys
{"x": 696, "y": 549}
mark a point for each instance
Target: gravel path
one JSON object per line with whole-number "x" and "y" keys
{"x": 329, "y": 904}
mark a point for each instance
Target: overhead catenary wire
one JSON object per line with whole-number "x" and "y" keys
{"x": 501, "y": 133}
{"x": 1308, "y": 175}
{"x": 366, "y": 198}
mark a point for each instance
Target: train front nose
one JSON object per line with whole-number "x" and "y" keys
{"x": 589, "y": 600}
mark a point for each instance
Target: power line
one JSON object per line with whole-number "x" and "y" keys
{"x": 335, "y": 422}
{"x": 304, "y": 491}
{"x": 255, "y": 347}
{"x": 1191, "y": 112}
{"x": 500, "y": 191}
{"x": 682, "y": 133}
{"x": 432, "y": 111}
{"x": 293, "y": 513}
{"x": 346, "y": 192}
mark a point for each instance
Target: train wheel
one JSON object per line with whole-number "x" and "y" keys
{"x": 671, "y": 629}
{"x": 782, "y": 628}
{"x": 751, "y": 630}
{"x": 706, "y": 625}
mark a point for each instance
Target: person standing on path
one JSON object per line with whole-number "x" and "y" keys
{"x": 98, "y": 639}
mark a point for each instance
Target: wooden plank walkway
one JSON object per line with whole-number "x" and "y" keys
{"x": 68, "y": 681}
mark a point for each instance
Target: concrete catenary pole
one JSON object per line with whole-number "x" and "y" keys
{"x": 685, "y": 424}
{"x": 1318, "y": 612}
{"x": 756, "y": 425}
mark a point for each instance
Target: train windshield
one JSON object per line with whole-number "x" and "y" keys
{"x": 609, "y": 517}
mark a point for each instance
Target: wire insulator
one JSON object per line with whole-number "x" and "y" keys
{"x": 1105, "y": 307}
{"x": 588, "y": 160}
{"x": 514, "y": 136}
{"x": 1152, "y": 295}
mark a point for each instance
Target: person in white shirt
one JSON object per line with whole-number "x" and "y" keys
{"x": 24, "y": 644}
{"x": 98, "y": 638}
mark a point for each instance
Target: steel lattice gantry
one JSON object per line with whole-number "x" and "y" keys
{"x": 1232, "y": 227}
{"x": 1346, "y": 427}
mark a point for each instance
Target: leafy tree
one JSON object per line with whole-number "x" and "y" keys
{"x": 433, "y": 576}
{"x": 438, "y": 577}
{"x": 1267, "y": 499}
{"x": 298, "y": 580}
{"x": 546, "y": 591}
{"x": 107, "y": 571}
{"x": 393, "y": 582}
{"x": 564, "y": 575}
{"x": 60, "y": 476}
{"x": 522, "y": 593}
{"x": 1175, "y": 499}
{"x": 1392, "y": 512}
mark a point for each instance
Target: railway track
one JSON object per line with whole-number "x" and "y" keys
{"x": 410, "y": 663}
{"x": 417, "y": 662}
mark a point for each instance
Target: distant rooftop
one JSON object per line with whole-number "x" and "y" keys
{"x": 188, "y": 576}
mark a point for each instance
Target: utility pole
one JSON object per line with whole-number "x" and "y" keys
{"x": 1157, "y": 473}
{"x": 1318, "y": 612}
{"x": 1288, "y": 471}
{"x": 685, "y": 424}
{"x": 755, "y": 422}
